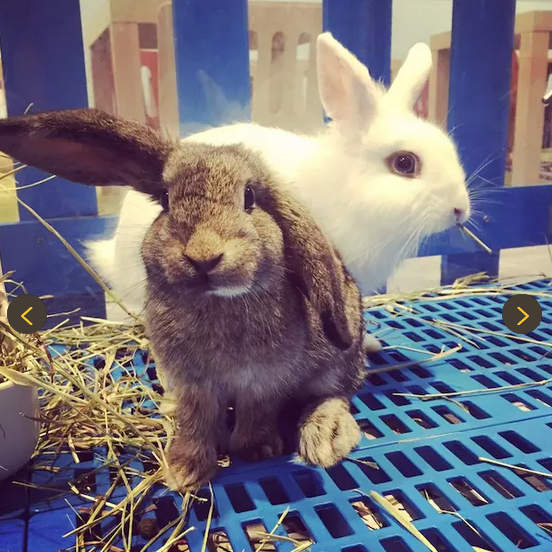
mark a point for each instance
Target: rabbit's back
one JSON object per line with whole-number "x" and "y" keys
{"x": 281, "y": 151}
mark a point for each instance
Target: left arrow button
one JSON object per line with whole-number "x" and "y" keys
{"x": 27, "y": 314}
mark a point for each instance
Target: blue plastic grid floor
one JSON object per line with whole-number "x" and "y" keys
{"x": 427, "y": 452}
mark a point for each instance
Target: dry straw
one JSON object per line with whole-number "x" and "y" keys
{"x": 478, "y": 241}
{"x": 92, "y": 398}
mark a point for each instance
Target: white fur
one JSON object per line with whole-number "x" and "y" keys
{"x": 101, "y": 254}
{"x": 374, "y": 217}
{"x": 231, "y": 291}
{"x": 371, "y": 344}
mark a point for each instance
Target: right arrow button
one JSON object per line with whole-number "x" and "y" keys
{"x": 522, "y": 304}
{"x": 524, "y": 318}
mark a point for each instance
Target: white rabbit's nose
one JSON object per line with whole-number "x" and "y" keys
{"x": 460, "y": 215}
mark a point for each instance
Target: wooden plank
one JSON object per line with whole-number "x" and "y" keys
{"x": 533, "y": 67}
{"x": 262, "y": 78}
{"x": 212, "y": 68}
{"x": 135, "y": 11}
{"x": 168, "y": 99}
{"x": 535, "y": 21}
{"x": 480, "y": 76}
{"x": 439, "y": 87}
{"x": 441, "y": 41}
{"x": 126, "y": 69}
{"x": 285, "y": 89}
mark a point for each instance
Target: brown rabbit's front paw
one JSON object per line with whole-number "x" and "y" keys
{"x": 328, "y": 434}
{"x": 188, "y": 471}
{"x": 256, "y": 447}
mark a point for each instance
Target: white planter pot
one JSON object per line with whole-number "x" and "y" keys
{"x": 18, "y": 434}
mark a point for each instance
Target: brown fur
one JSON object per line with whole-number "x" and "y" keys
{"x": 255, "y": 351}
{"x": 291, "y": 332}
{"x": 87, "y": 146}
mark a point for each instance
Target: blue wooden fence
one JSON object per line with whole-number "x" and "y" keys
{"x": 43, "y": 62}
{"x": 42, "y": 52}
{"x": 479, "y": 99}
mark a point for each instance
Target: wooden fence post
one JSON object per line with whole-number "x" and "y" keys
{"x": 480, "y": 71}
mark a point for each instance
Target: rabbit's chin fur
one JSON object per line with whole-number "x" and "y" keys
{"x": 375, "y": 218}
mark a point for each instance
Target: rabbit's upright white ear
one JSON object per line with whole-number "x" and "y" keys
{"x": 349, "y": 95}
{"x": 411, "y": 77}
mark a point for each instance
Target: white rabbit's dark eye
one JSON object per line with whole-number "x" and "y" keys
{"x": 248, "y": 199}
{"x": 404, "y": 163}
{"x": 165, "y": 201}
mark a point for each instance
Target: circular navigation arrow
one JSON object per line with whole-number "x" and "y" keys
{"x": 522, "y": 314}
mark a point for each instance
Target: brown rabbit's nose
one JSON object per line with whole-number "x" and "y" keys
{"x": 204, "y": 266}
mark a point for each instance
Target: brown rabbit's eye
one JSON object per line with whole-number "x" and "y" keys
{"x": 165, "y": 201}
{"x": 404, "y": 163}
{"x": 248, "y": 199}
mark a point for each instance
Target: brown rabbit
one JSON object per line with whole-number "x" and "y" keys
{"x": 247, "y": 302}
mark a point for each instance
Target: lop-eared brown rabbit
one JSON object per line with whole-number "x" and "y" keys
{"x": 247, "y": 302}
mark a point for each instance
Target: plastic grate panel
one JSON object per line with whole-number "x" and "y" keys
{"x": 422, "y": 454}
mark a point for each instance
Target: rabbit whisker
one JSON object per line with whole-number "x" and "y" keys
{"x": 476, "y": 173}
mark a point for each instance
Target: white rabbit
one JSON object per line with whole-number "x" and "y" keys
{"x": 377, "y": 180}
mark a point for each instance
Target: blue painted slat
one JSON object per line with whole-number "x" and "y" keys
{"x": 13, "y": 500}
{"x": 43, "y": 62}
{"x": 212, "y": 62}
{"x": 12, "y": 535}
{"x": 364, "y": 27}
{"x": 480, "y": 73}
{"x": 46, "y": 267}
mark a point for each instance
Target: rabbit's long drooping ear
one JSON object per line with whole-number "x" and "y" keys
{"x": 411, "y": 77}
{"x": 349, "y": 95}
{"x": 312, "y": 261}
{"x": 87, "y": 146}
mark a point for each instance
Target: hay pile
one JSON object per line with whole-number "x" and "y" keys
{"x": 95, "y": 397}
{"x": 91, "y": 397}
